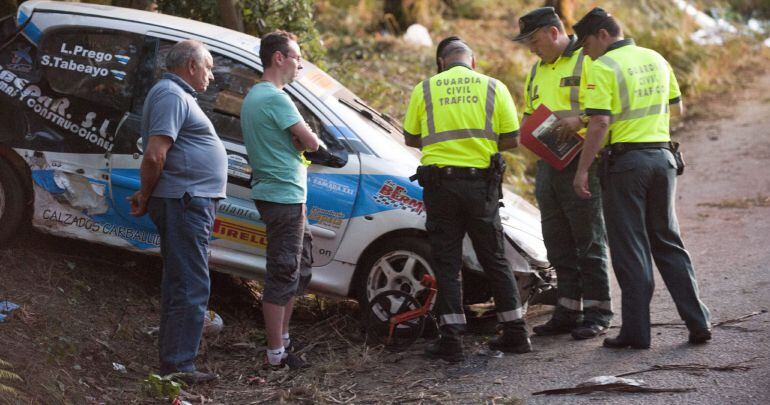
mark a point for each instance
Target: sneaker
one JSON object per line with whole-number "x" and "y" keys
{"x": 588, "y": 330}
{"x": 508, "y": 344}
{"x": 291, "y": 360}
{"x": 450, "y": 350}
{"x": 192, "y": 377}
{"x": 699, "y": 337}
{"x": 553, "y": 328}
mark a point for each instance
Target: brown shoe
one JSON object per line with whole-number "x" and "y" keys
{"x": 193, "y": 377}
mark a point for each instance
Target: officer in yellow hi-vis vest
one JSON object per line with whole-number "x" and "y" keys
{"x": 629, "y": 91}
{"x": 573, "y": 227}
{"x": 459, "y": 118}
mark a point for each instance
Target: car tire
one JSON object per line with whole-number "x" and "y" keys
{"x": 11, "y": 201}
{"x": 395, "y": 264}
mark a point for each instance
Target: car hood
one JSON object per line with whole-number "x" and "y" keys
{"x": 521, "y": 222}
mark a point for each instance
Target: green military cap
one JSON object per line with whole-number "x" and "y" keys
{"x": 590, "y": 24}
{"x": 535, "y": 19}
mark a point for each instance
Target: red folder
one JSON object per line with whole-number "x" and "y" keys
{"x": 539, "y": 136}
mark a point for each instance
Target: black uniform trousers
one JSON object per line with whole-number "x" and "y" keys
{"x": 576, "y": 240}
{"x": 455, "y": 206}
{"x": 638, "y": 198}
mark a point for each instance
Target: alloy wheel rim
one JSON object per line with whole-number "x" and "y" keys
{"x": 398, "y": 270}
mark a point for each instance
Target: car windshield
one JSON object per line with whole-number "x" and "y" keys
{"x": 383, "y": 133}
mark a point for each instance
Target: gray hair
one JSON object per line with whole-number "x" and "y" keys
{"x": 185, "y": 50}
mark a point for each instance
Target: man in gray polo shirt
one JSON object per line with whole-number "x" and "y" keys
{"x": 183, "y": 175}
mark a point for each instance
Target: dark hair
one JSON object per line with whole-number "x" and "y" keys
{"x": 610, "y": 24}
{"x": 276, "y": 41}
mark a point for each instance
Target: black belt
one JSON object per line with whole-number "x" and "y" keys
{"x": 462, "y": 172}
{"x": 623, "y": 147}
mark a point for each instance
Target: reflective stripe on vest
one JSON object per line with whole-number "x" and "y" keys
{"x": 456, "y": 134}
{"x": 626, "y": 113}
{"x": 574, "y": 91}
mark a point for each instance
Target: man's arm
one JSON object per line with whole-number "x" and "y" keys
{"x": 508, "y": 140}
{"x": 304, "y": 139}
{"x": 414, "y": 141}
{"x": 597, "y": 128}
{"x": 676, "y": 108}
{"x": 149, "y": 172}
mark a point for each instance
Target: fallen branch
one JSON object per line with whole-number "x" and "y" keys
{"x": 619, "y": 387}
{"x": 740, "y": 318}
{"x": 688, "y": 367}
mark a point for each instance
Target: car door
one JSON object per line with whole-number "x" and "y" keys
{"x": 238, "y": 226}
{"x": 72, "y": 111}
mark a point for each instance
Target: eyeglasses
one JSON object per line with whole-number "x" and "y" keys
{"x": 296, "y": 58}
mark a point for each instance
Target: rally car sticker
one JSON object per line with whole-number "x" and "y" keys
{"x": 385, "y": 192}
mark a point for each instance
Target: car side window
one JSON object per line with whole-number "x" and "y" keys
{"x": 223, "y": 99}
{"x": 94, "y": 64}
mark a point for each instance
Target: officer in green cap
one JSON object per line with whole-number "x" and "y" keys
{"x": 460, "y": 119}
{"x": 573, "y": 227}
{"x": 630, "y": 92}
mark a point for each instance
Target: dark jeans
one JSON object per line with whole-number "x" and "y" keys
{"x": 289, "y": 251}
{"x": 641, "y": 224}
{"x": 184, "y": 225}
{"x": 574, "y": 234}
{"x": 454, "y": 207}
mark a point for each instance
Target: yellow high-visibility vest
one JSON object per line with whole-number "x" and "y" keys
{"x": 557, "y": 84}
{"x": 459, "y": 114}
{"x": 635, "y": 86}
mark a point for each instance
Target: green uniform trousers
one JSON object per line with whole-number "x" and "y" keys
{"x": 574, "y": 234}
{"x": 639, "y": 194}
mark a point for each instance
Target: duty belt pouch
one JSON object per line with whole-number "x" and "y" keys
{"x": 605, "y": 162}
{"x": 678, "y": 157}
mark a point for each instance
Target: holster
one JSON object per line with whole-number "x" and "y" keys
{"x": 496, "y": 172}
{"x": 678, "y": 157}
{"x": 427, "y": 176}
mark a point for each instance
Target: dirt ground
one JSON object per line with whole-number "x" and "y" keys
{"x": 87, "y": 310}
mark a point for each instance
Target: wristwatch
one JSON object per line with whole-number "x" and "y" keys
{"x": 584, "y": 120}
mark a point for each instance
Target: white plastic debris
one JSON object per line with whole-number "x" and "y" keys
{"x": 418, "y": 35}
{"x": 119, "y": 368}
{"x": 611, "y": 379}
{"x": 212, "y": 323}
{"x": 712, "y": 31}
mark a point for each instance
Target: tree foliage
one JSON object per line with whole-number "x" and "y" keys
{"x": 263, "y": 16}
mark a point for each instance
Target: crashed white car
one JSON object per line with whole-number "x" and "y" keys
{"x": 73, "y": 78}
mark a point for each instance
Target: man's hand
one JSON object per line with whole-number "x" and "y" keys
{"x": 138, "y": 204}
{"x": 567, "y": 127}
{"x": 580, "y": 184}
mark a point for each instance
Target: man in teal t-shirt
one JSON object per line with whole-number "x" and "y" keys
{"x": 275, "y": 136}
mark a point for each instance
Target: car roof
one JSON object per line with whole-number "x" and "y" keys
{"x": 196, "y": 28}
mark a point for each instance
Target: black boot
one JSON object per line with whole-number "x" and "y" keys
{"x": 447, "y": 348}
{"x": 554, "y": 327}
{"x": 513, "y": 340}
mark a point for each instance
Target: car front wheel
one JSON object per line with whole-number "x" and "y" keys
{"x": 395, "y": 264}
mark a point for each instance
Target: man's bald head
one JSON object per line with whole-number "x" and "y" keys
{"x": 453, "y": 50}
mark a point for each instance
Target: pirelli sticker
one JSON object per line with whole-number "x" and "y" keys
{"x": 241, "y": 232}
